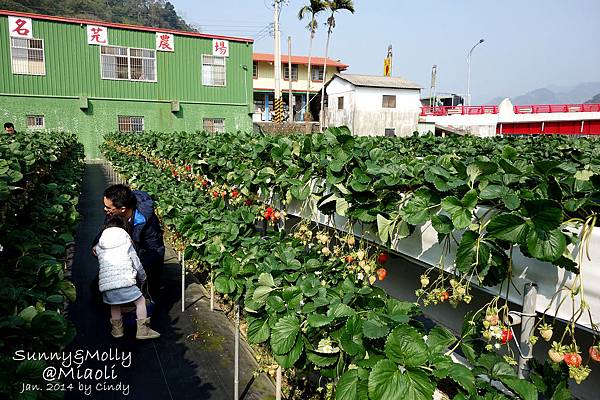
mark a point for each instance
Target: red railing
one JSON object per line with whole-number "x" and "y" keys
{"x": 526, "y": 109}
{"x": 458, "y": 110}
{"x": 556, "y": 108}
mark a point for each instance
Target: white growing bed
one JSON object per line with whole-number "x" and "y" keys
{"x": 423, "y": 246}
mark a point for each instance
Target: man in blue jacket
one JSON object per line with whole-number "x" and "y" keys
{"x": 138, "y": 208}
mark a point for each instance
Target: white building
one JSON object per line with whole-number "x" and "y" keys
{"x": 373, "y": 105}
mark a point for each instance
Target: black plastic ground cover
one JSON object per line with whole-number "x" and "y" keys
{"x": 194, "y": 357}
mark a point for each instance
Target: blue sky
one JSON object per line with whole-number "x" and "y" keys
{"x": 528, "y": 43}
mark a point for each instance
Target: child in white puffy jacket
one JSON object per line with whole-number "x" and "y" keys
{"x": 119, "y": 268}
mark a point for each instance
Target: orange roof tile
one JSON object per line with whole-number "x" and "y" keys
{"x": 266, "y": 57}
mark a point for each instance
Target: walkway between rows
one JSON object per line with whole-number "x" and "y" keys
{"x": 194, "y": 357}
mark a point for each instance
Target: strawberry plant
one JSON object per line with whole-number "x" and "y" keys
{"x": 506, "y": 194}
{"x": 37, "y": 220}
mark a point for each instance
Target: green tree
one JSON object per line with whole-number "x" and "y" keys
{"x": 311, "y": 10}
{"x": 333, "y": 6}
{"x": 155, "y": 13}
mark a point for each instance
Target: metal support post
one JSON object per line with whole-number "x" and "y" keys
{"x": 278, "y": 384}
{"x": 182, "y": 282}
{"x": 212, "y": 291}
{"x": 527, "y": 325}
{"x": 236, "y": 376}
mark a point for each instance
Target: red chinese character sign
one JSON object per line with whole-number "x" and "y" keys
{"x": 97, "y": 35}
{"x": 20, "y": 27}
{"x": 165, "y": 42}
{"x": 220, "y": 48}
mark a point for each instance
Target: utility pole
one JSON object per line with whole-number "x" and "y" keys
{"x": 277, "y": 63}
{"x": 432, "y": 93}
{"x": 291, "y": 96}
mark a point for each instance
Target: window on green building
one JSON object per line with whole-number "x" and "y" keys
{"x": 130, "y": 124}
{"x": 27, "y": 56}
{"x": 213, "y": 125}
{"x": 35, "y": 121}
{"x": 127, "y": 63}
{"x": 255, "y": 69}
{"x": 213, "y": 70}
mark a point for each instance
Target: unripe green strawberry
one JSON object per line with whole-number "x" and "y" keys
{"x": 579, "y": 374}
{"x": 424, "y": 281}
{"x": 546, "y": 332}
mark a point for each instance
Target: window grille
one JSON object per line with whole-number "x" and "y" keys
{"x": 130, "y": 124}
{"x": 255, "y": 69}
{"x": 390, "y": 131}
{"x": 213, "y": 125}
{"x": 124, "y": 63}
{"x": 35, "y": 121}
{"x": 389, "y": 101}
{"x": 27, "y": 56}
{"x": 340, "y": 103}
{"x": 213, "y": 70}
{"x": 316, "y": 73}
{"x": 286, "y": 72}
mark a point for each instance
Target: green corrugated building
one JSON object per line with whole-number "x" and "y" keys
{"x": 94, "y": 77}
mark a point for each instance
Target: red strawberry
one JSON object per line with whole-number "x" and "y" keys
{"x": 215, "y": 194}
{"x": 383, "y": 257}
{"x": 444, "y": 296}
{"x": 349, "y": 259}
{"x": 381, "y": 274}
{"x": 248, "y": 202}
{"x": 573, "y": 360}
{"x": 594, "y": 353}
{"x": 173, "y": 172}
{"x": 235, "y": 193}
{"x": 204, "y": 183}
{"x": 269, "y": 210}
{"x": 188, "y": 168}
{"x": 507, "y": 335}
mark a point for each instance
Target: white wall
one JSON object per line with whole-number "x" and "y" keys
{"x": 364, "y": 114}
{"x": 345, "y": 117}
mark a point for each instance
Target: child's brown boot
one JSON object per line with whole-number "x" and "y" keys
{"x": 144, "y": 331}
{"x": 117, "y": 327}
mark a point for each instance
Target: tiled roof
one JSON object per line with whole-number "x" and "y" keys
{"x": 266, "y": 57}
{"x": 378, "y": 81}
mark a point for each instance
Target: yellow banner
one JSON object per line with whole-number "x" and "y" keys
{"x": 387, "y": 67}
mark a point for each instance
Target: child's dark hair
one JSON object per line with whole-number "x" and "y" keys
{"x": 117, "y": 221}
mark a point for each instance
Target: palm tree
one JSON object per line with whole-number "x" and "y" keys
{"x": 313, "y": 8}
{"x": 333, "y": 6}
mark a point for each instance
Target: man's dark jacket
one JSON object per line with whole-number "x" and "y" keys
{"x": 146, "y": 233}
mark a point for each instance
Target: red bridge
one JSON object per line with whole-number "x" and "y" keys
{"x": 564, "y": 119}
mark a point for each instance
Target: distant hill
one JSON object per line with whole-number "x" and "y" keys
{"x": 555, "y": 95}
{"x": 155, "y": 13}
{"x": 594, "y": 100}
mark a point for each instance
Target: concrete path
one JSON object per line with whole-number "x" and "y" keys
{"x": 194, "y": 357}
